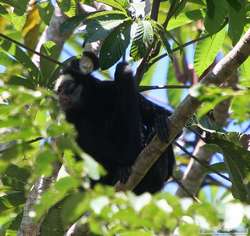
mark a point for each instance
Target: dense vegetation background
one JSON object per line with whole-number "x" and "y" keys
{"x": 174, "y": 43}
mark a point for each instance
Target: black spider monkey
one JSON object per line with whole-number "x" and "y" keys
{"x": 114, "y": 122}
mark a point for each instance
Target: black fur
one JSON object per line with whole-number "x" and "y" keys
{"x": 114, "y": 123}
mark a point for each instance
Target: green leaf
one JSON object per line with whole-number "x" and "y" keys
{"x": 15, "y": 177}
{"x": 115, "y": 44}
{"x": 68, "y": 7}
{"x": 11, "y": 200}
{"x": 119, "y": 5}
{"x": 206, "y": 51}
{"x": 21, "y": 134}
{"x": 245, "y": 73}
{"x": 71, "y": 23}
{"x": 45, "y": 11}
{"x": 44, "y": 163}
{"x": 52, "y": 223}
{"x": 241, "y": 106}
{"x": 237, "y": 19}
{"x": 210, "y": 96}
{"x": 123, "y": 3}
{"x": 236, "y": 4}
{"x": 189, "y": 229}
{"x": 3, "y": 10}
{"x": 47, "y": 67}
{"x": 74, "y": 207}
{"x": 143, "y": 38}
{"x": 215, "y": 15}
{"x": 148, "y": 35}
{"x": 101, "y": 24}
{"x": 22, "y": 58}
{"x": 184, "y": 18}
{"x": 19, "y": 6}
{"x": 54, "y": 194}
{"x": 237, "y": 162}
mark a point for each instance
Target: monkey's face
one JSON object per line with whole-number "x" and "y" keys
{"x": 69, "y": 92}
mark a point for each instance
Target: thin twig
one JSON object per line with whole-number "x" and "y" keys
{"x": 200, "y": 162}
{"x": 155, "y": 9}
{"x": 186, "y": 190}
{"x": 25, "y": 142}
{"x": 185, "y": 45}
{"x": 179, "y": 48}
{"x": 170, "y": 86}
{"x": 30, "y": 49}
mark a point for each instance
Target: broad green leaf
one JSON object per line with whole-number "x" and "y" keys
{"x": 237, "y": 19}
{"x": 19, "y": 6}
{"x": 47, "y": 67}
{"x": 71, "y": 23}
{"x": 205, "y": 210}
{"x": 241, "y": 107}
{"x": 21, "y": 134}
{"x": 148, "y": 35}
{"x": 22, "y": 58}
{"x": 138, "y": 50}
{"x": 206, "y": 51}
{"x": 163, "y": 37}
{"x": 189, "y": 229}
{"x": 44, "y": 163}
{"x": 184, "y": 18}
{"x": 16, "y": 21}
{"x": 6, "y": 59}
{"x": 46, "y": 11}
{"x": 123, "y": 3}
{"x": 22, "y": 81}
{"x": 11, "y": 200}
{"x": 68, "y": 7}
{"x": 215, "y": 15}
{"x": 100, "y": 25}
{"x": 143, "y": 38}
{"x": 236, "y": 4}
{"x": 30, "y": 31}
{"x": 55, "y": 193}
{"x": 119, "y": 5}
{"x": 74, "y": 207}
{"x": 3, "y": 10}
{"x": 245, "y": 73}
{"x": 210, "y": 96}
{"x": 15, "y": 177}
{"x": 52, "y": 223}
{"x": 237, "y": 162}
{"x": 115, "y": 45}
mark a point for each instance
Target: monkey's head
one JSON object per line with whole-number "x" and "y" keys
{"x": 71, "y": 83}
{"x": 69, "y": 92}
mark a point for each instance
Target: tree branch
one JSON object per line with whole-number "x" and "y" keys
{"x": 155, "y": 9}
{"x": 186, "y": 109}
